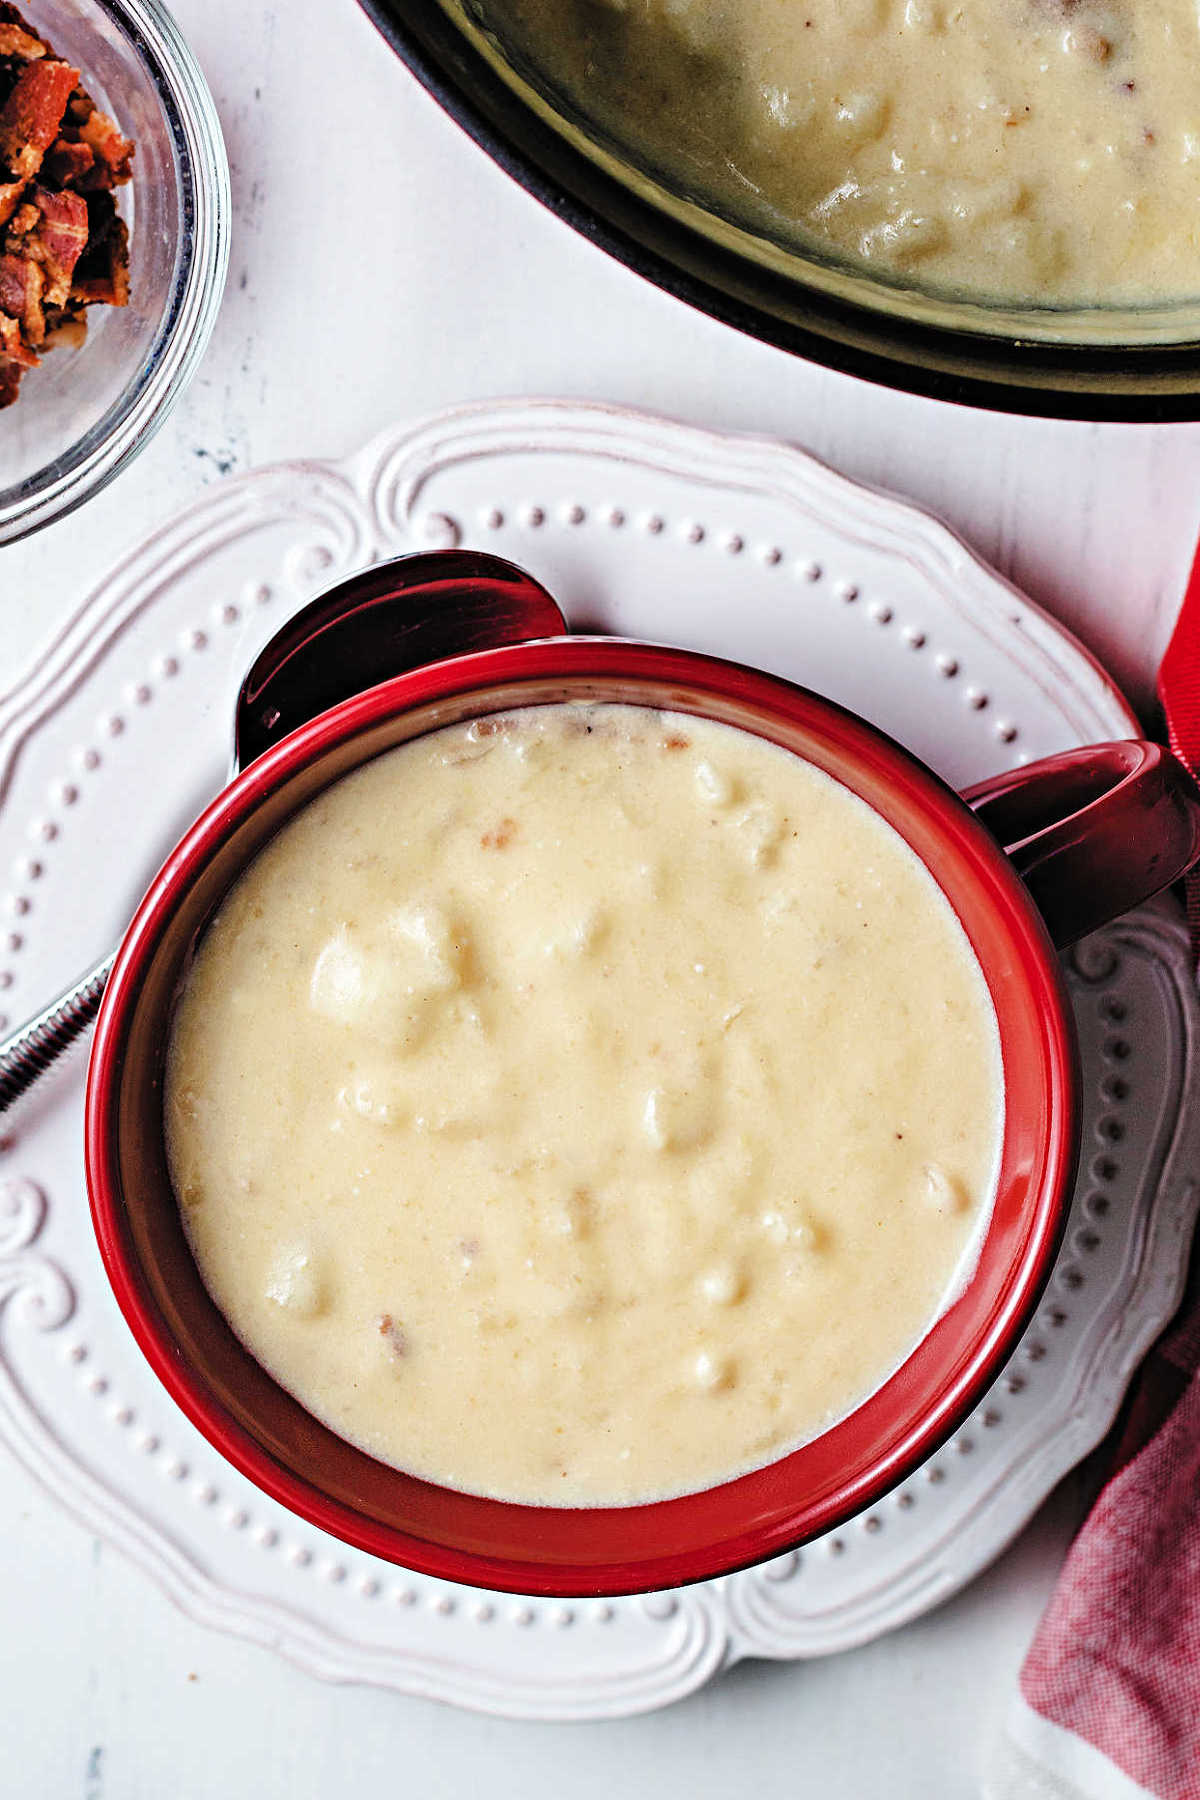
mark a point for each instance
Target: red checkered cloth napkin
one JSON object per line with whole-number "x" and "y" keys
{"x": 1108, "y": 1706}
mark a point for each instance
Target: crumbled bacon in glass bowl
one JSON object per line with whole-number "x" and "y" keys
{"x": 63, "y": 245}
{"x": 136, "y": 244}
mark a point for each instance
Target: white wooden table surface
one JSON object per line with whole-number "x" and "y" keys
{"x": 382, "y": 268}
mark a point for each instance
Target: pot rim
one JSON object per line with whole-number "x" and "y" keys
{"x": 1036, "y": 375}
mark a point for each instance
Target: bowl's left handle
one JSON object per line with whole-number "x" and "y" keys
{"x": 396, "y": 616}
{"x": 1093, "y": 832}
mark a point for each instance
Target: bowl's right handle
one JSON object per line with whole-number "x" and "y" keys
{"x": 1093, "y": 832}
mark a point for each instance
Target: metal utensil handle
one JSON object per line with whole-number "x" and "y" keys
{"x": 29, "y": 1052}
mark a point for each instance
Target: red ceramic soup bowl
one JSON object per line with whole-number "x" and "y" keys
{"x": 1092, "y": 832}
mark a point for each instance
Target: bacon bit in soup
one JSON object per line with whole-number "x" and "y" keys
{"x": 392, "y": 1334}
{"x": 501, "y": 837}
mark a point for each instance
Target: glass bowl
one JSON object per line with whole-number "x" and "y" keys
{"x": 90, "y": 407}
{"x": 1073, "y": 362}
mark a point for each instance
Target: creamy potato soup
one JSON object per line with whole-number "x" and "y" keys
{"x": 583, "y": 1105}
{"x": 1020, "y": 150}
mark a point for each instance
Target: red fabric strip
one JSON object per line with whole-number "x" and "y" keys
{"x": 1116, "y": 1659}
{"x": 1179, "y": 691}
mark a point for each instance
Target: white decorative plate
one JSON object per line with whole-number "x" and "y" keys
{"x": 123, "y": 729}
